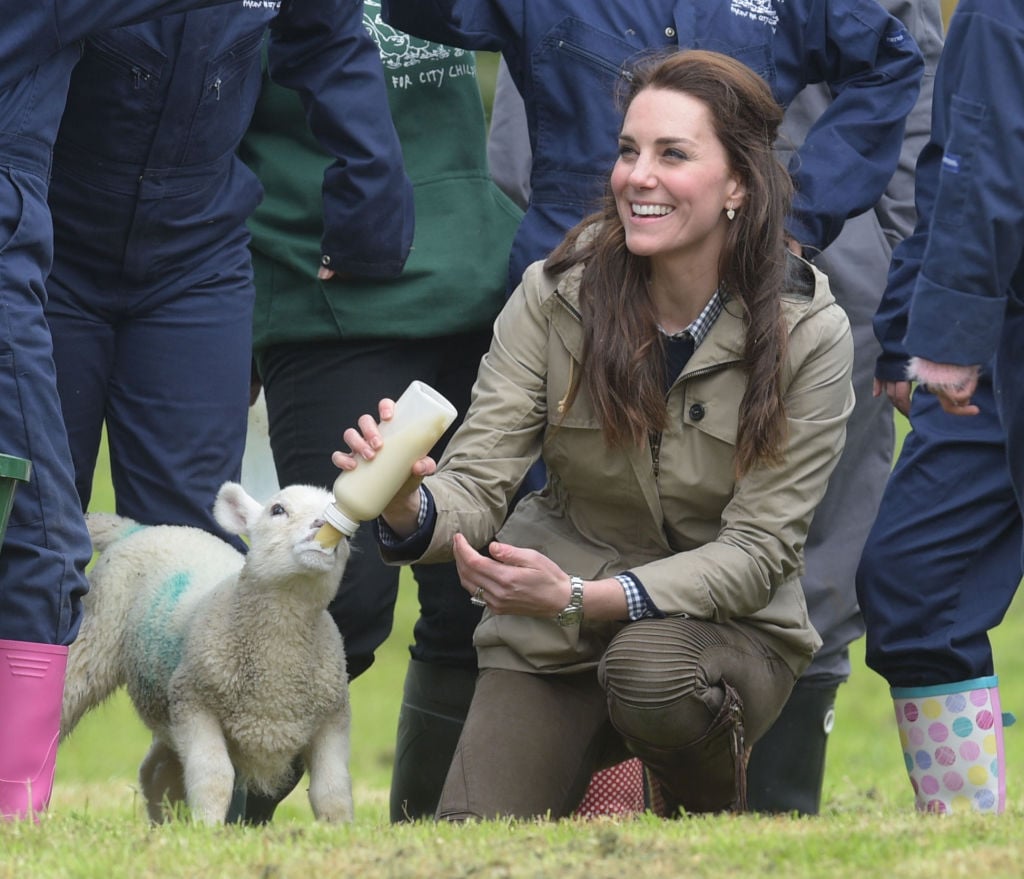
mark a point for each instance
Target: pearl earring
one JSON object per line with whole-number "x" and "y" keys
{"x": 731, "y": 213}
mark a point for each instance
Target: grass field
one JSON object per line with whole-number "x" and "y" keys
{"x": 96, "y": 826}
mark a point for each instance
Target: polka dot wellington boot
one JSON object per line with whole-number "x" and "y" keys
{"x": 952, "y": 737}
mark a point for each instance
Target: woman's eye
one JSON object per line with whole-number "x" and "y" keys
{"x": 626, "y": 151}
{"x": 675, "y": 154}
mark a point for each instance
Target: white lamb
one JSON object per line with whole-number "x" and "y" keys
{"x": 231, "y": 660}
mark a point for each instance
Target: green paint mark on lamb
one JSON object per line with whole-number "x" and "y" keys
{"x": 159, "y": 637}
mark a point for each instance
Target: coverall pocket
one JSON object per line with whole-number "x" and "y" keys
{"x": 231, "y": 85}
{"x": 117, "y": 83}
{"x": 966, "y": 124}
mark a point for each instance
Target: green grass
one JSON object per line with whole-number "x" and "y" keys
{"x": 96, "y": 826}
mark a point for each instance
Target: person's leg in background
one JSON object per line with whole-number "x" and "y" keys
{"x": 441, "y": 675}
{"x": 45, "y": 546}
{"x": 167, "y": 367}
{"x": 787, "y": 766}
{"x": 177, "y": 432}
{"x": 940, "y": 567}
{"x": 439, "y": 684}
{"x": 83, "y": 350}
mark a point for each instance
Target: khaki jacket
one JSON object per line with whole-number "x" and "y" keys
{"x": 702, "y": 543}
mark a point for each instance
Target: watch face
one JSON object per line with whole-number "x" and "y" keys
{"x": 570, "y": 616}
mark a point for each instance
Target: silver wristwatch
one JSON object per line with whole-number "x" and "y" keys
{"x": 573, "y": 614}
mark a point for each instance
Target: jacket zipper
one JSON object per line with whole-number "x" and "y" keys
{"x": 569, "y": 306}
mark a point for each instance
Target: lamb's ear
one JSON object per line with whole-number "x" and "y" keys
{"x": 234, "y": 509}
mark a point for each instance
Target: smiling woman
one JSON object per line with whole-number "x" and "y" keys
{"x": 650, "y": 596}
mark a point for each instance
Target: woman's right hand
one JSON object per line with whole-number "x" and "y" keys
{"x": 364, "y": 442}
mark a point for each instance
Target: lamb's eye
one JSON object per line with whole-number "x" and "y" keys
{"x": 278, "y": 510}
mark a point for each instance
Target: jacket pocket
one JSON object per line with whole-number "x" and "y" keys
{"x": 710, "y": 405}
{"x": 25, "y": 242}
{"x": 697, "y": 451}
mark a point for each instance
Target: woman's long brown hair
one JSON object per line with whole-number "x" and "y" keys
{"x": 622, "y": 350}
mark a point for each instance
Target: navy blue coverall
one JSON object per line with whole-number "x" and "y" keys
{"x": 46, "y": 545}
{"x": 151, "y": 292}
{"x": 943, "y": 560}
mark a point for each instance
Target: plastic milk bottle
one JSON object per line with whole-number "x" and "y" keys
{"x": 421, "y": 416}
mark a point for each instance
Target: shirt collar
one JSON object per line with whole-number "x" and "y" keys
{"x": 702, "y": 324}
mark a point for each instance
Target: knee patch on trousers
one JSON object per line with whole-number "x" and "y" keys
{"x": 688, "y": 731}
{"x": 707, "y": 774}
{"x": 656, "y": 680}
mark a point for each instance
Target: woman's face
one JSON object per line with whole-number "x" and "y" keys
{"x": 672, "y": 182}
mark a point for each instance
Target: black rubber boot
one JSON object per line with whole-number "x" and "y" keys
{"x": 787, "y": 764}
{"x": 259, "y": 808}
{"x": 236, "y": 808}
{"x": 434, "y": 705}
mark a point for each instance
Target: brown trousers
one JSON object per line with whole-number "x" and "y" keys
{"x": 686, "y": 696}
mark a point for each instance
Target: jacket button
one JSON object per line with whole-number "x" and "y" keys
{"x": 670, "y": 32}
{"x": 696, "y": 412}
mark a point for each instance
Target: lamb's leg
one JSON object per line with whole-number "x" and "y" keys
{"x": 327, "y": 757}
{"x": 209, "y": 775}
{"x": 162, "y": 778}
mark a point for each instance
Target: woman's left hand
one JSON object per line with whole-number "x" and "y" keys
{"x": 513, "y": 580}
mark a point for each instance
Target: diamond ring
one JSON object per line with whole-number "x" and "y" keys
{"x": 478, "y": 598}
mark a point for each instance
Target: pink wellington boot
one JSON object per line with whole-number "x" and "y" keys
{"x": 31, "y": 692}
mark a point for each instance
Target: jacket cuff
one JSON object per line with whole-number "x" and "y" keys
{"x": 408, "y": 549}
{"x": 890, "y": 368}
{"x": 386, "y": 270}
{"x": 949, "y": 326}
